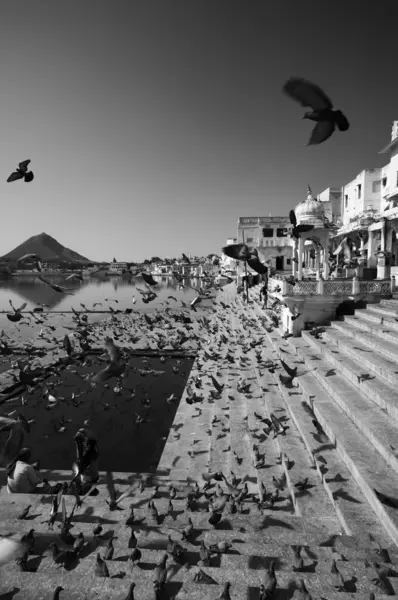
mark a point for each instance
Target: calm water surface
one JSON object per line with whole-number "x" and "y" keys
{"x": 123, "y": 445}
{"x": 33, "y": 291}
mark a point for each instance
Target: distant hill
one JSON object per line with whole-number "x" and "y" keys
{"x": 47, "y": 248}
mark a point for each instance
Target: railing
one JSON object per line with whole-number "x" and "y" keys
{"x": 331, "y": 287}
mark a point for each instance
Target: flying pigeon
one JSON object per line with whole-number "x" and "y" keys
{"x": 237, "y": 251}
{"x": 22, "y": 173}
{"x": 56, "y": 288}
{"x": 297, "y": 229}
{"x": 326, "y": 118}
{"x": 147, "y": 277}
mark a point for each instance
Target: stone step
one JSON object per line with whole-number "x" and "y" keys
{"x": 374, "y": 423}
{"x": 376, "y": 388}
{"x": 390, "y": 302}
{"x": 372, "y": 316}
{"x": 385, "y": 312}
{"x": 368, "y": 469}
{"x": 384, "y": 347}
{"x": 292, "y": 445}
{"x": 312, "y": 390}
{"x": 279, "y": 532}
{"x": 382, "y": 331}
{"x": 181, "y": 583}
{"x": 359, "y": 351}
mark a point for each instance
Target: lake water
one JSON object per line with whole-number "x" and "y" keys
{"x": 33, "y": 291}
{"x": 123, "y": 445}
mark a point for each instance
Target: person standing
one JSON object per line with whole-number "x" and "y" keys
{"x": 264, "y": 294}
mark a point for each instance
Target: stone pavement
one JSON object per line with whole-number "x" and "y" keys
{"x": 223, "y": 425}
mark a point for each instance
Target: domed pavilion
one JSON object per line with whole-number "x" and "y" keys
{"x": 311, "y": 248}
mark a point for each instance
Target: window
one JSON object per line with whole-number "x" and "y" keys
{"x": 346, "y": 200}
{"x": 384, "y": 181}
{"x": 249, "y": 240}
{"x": 281, "y": 232}
{"x": 359, "y": 189}
{"x": 268, "y": 232}
{"x": 288, "y": 261}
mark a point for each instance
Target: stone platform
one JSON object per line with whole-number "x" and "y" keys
{"x": 346, "y": 380}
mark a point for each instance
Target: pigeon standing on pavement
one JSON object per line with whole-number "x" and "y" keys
{"x": 323, "y": 113}
{"x": 21, "y": 173}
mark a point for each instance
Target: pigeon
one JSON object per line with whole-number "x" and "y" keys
{"x": 297, "y": 229}
{"x": 147, "y": 277}
{"x": 16, "y": 316}
{"x": 22, "y": 173}
{"x": 326, "y": 118}
{"x": 57, "y": 288}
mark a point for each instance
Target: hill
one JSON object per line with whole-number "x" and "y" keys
{"x": 47, "y": 248}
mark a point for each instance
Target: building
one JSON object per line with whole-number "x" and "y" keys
{"x": 331, "y": 198}
{"x": 361, "y": 195}
{"x": 117, "y": 267}
{"x": 270, "y": 236}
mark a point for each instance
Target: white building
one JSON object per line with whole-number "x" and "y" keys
{"x": 331, "y": 199}
{"x": 117, "y": 267}
{"x": 362, "y": 194}
{"x": 389, "y": 175}
{"x": 270, "y": 236}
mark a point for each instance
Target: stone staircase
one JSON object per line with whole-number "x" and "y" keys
{"x": 331, "y": 520}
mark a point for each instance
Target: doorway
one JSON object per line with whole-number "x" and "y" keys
{"x": 279, "y": 263}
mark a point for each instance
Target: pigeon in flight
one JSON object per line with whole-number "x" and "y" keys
{"x": 22, "y": 173}
{"x": 326, "y": 118}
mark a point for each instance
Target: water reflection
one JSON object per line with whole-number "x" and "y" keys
{"x": 33, "y": 291}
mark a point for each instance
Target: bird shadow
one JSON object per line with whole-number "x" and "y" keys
{"x": 10, "y": 595}
{"x": 172, "y": 588}
{"x": 119, "y": 575}
{"x": 33, "y": 564}
{"x": 345, "y": 496}
{"x": 32, "y": 517}
{"x": 270, "y": 521}
{"x": 349, "y": 585}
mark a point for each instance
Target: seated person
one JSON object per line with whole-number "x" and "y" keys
{"x": 12, "y": 436}
{"x": 85, "y": 469}
{"x": 22, "y": 477}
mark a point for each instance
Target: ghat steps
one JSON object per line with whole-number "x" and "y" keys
{"x": 331, "y": 520}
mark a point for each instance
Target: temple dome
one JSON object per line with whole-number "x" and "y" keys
{"x": 310, "y": 211}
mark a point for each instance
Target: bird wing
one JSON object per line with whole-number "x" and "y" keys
{"x": 15, "y": 176}
{"x": 148, "y": 279}
{"x": 110, "y": 486}
{"x": 303, "y": 228}
{"x": 26, "y": 256}
{"x": 321, "y": 132}
{"x": 24, "y": 305}
{"x": 127, "y": 493}
{"x": 291, "y": 372}
{"x": 185, "y": 257}
{"x": 307, "y": 93}
{"x": 24, "y": 165}
{"x": 44, "y": 280}
{"x": 292, "y": 217}
{"x": 29, "y": 177}
{"x": 236, "y": 251}
{"x": 112, "y": 350}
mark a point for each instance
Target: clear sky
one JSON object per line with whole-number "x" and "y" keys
{"x": 152, "y": 125}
